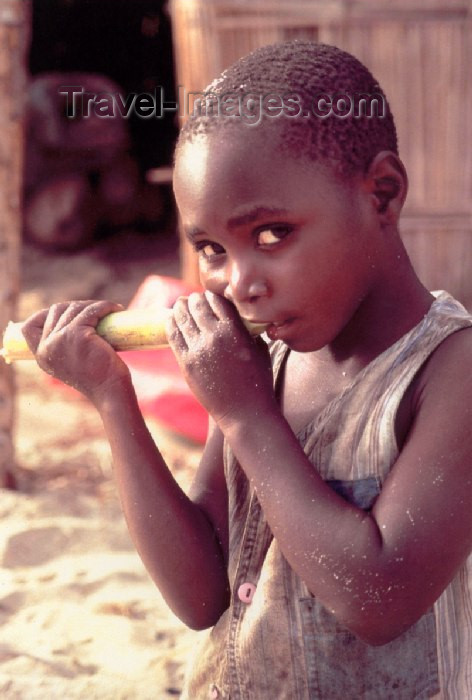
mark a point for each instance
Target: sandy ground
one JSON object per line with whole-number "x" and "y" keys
{"x": 80, "y": 617}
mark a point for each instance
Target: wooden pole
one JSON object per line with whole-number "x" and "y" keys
{"x": 14, "y": 40}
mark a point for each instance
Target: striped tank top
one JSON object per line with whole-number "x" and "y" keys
{"x": 276, "y": 641}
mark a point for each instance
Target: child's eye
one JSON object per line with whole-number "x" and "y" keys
{"x": 271, "y": 236}
{"x": 208, "y": 250}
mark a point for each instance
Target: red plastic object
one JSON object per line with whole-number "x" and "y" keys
{"x": 161, "y": 390}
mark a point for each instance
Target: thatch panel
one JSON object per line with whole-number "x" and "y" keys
{"x": 209, "y": 36}
{"x": 442, "y": 255}
{"x": 423, "y": 67}
{"x": 409, "y": 8}
{"x": 427, "y": 86}
{"x": 194, "y": 55}
{"x": 247, "y": 38}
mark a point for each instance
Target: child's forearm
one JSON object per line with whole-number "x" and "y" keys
{"x": 173, "y": 536}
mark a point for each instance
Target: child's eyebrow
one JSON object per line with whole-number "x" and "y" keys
{"x": 192, "y": 233}
{"x": 259, "y": 212}
{"x": 249, "y": 217}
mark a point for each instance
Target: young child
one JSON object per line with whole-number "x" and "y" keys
{"x": 326, "y": 536}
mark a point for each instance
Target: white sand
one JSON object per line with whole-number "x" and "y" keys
{"x": 80, "y": 617}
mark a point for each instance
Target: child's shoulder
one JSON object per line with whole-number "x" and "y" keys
{"x": 442, "y": 345}
{"x": 440, "y": 395}
{"x": 450, "y": 365}
{"x": 452, "y": 324}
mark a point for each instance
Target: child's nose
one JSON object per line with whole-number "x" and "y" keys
{"x": 244, "y": 284}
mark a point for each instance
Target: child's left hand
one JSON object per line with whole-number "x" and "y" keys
{"x": 228, "y": 371}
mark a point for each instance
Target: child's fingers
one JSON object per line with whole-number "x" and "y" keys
{"x": 32, "y": 329}
{"x": 176, "y": 339}
{"x": 57, "y": 317}
{"x": 41, "y": 325}
{"x": 222, "y": 308}
{"x": 89, "y": 313}
{"x": 185, "y": 321}
{"x": 201, "y": 311}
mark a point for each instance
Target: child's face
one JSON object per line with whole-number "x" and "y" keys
{"x": 282, "y": 238}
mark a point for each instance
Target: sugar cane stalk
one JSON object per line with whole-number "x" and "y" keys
{"x": 132, "y": 329}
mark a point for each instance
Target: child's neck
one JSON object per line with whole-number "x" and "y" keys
{"x": 382, "y": 318}
{"x": 311, "y": 380}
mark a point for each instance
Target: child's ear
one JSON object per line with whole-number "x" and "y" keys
{"x": 387, "y": 182}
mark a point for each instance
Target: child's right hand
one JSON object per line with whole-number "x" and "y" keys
{"x": 66, "y": 345}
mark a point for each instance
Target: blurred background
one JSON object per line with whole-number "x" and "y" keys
{"x": 96, "y": 167}
{"x": 111, "y": 174}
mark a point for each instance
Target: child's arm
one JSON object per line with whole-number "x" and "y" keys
{"x": 181, "y": 539}
{"x": 182, "y": 542}
{"x": 377, "y": 572}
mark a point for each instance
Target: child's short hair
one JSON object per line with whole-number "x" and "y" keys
{"x": 327, "y": 83}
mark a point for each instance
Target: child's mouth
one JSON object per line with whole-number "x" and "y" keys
{"x": 278, "y": 330}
